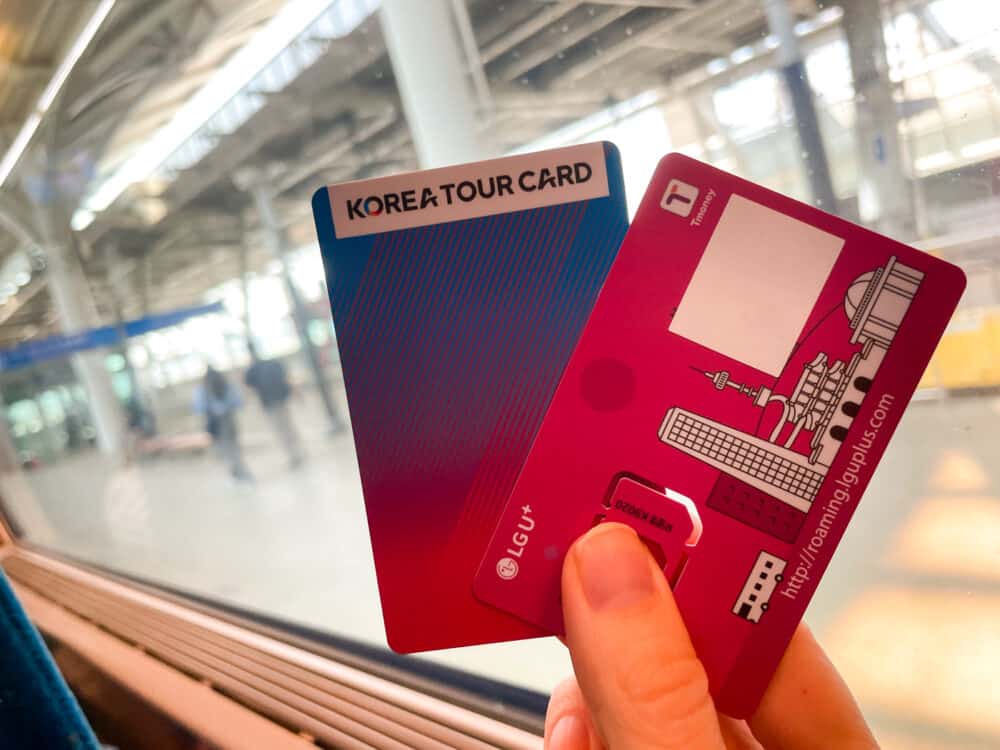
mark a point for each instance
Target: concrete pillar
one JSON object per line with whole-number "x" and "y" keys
{"x": 74, "y": 303}
{"x": 50, "y": 436}
{"x": 77, "y": 311}
{"x": 120, "y": 287}
{"x": 793, "y": 72}
{"x": 10, "y": 479}
{"x": 245, "y": 286}
{"x": 9, "y": 461}
{"x": 885, "y": 197}
{"x": 431, "y": 72}
{"x": 279, "y": 245}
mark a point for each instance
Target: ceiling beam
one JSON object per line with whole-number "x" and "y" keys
{"x": 527, "y": 29}
{"x": 623, "y": 42}
{"x": 24, "y": 71}
{"x": 332, "y": 148}
{"x": 668, "y": 4}
{"x": 690, "y": 43}
{"x": 128, "y": 34}
{"x": 24, "y": 295}
{"x": 546, "y": 48}
{"x": 699, "y": 77}
{"x": 17, "y": 217}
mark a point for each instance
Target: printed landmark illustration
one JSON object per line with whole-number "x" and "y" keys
{"x": 766, "y": 483}
{"x": 764, "y": 578}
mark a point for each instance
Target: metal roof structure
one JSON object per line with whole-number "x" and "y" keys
{"x": 317, "y": 106}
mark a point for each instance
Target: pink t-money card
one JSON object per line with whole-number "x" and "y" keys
{"x": 747, "y": 360}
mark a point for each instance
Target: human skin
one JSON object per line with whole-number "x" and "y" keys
{"x": 639, "y": 684}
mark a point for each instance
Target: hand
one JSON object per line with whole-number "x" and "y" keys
{"x": 639, "y": 683}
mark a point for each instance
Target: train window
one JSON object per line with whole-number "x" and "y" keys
{"x": 173, "y": 405}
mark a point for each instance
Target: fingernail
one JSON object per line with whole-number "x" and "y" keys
{"x": 569, "y": 733}
{"x": 613, "y": 566}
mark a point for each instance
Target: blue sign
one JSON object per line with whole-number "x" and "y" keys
{"x": 54, "y": 347}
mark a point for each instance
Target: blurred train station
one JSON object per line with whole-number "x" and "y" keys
{"x": 157, "y": 161}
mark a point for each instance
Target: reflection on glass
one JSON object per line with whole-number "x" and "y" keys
{"x": 146, "y": 189}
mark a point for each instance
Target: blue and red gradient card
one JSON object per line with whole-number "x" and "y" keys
{"x": 734, "y": 388}
{"x": 458, "y": 295}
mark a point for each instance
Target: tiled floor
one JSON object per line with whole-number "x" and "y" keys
{"x": 909, "y": 610}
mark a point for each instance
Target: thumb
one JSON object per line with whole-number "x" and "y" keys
{"x": 633, "y": 659}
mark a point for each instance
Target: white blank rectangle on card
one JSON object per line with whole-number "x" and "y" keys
{"x": 757, "y": 282}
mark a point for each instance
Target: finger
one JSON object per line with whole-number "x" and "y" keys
{"x": 737, "y": 735}
{"x": 807, "y": 703}
{"x": 567, "y": 721}
{"x": 632, "y": 655}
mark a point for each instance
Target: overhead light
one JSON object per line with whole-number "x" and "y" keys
{"x": 21, "y": 141}
{"x": 934, "y": 162}
{"x": 741, "y": 55}
{"x": 981, "y": 148}
{"x": 81, "y": 219}
{"x": 27, "y": 131}
{"x": 769, "y": 43}
{"x": 228, "y": 81}
{"x": 73, "y": 56}
{"x": 829, "y": 15}
{"x": 151, "y": 209}
{"x": 802, "y": 28}
{"x": 716, "y": 66}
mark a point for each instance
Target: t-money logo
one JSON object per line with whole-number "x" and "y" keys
{"x": 679, "y": 198}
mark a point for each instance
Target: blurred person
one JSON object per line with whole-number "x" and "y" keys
{"x": 74, "y": 431}
{"x": 141, "y": 421}
{"x": 218, "y": 401}
{"x": 269, "y": 378}
{"x": 639, "y": 683}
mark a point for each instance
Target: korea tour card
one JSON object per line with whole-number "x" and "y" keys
{"x": 458, "y": 295}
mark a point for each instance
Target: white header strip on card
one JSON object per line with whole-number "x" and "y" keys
{"x": 484, "y": 188}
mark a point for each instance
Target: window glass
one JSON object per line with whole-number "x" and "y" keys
{"x": 156, "y": 170}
